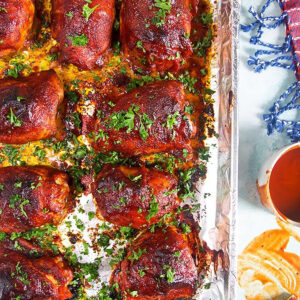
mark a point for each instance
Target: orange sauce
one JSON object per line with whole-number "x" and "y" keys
{"x": 285, "y": 185}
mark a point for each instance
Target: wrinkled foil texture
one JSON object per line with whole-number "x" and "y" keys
{"x": 218, "y": 218}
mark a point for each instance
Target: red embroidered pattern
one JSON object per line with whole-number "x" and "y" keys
{"x": 292, "y": 9}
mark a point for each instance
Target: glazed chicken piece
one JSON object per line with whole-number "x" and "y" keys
{"x": 33, "y": 278}
{"x": 83, "y": 30}
{"x": 28, "y": 107}
{"x": 134, "y": 196}
{"x": 159, "y": 266}
{"x": 147, "y": 120}
{"x": 157, "y": 32}
{"x": 16, "y": 19}
{"x": 31, "y": 197}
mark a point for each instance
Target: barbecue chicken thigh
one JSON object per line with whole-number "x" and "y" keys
{"x": 147, "y": 120}
{"x": 134, "y": 196}
{"x": 159, "y": 266}
{"x": 16, "y": 19}
{"x": 28, "y": 107}
{"x": 157, "y": 32}
{"x": 83, "y": 30}
{"x": 31, "y": 197}
{"x": 28, "y": 277}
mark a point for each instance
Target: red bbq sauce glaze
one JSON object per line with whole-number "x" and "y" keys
{"x": 285, "y": 185}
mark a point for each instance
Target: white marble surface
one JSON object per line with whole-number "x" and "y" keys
{"x": 256, "y": 94}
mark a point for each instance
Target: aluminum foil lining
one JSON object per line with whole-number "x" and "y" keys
{"x": 218, "y": 213}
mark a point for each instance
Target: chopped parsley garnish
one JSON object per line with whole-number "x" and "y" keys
{"x": 136, "y": 178}
{"x": 18, "y": 199}
{"x": 186, "y": 183}
{"x": 40, "y": 153}
{"x": 13, "y": 119}
{"x": 139, "y": 45}
{"x": 91, "y": 215}
{"x": 2, "y": 235}
{"x": 145, "y": 123}
{"x": 153, "y": 209}
{"x": 164, "y": 9}
{"x": 125, "y": 120}
{"x": 185, "y": 153}
{"x": 204, "y": 153}
{"x": 200, "y": 46}
{"x": 172, "y": 120}
{"x": 189, "y": 109}
{"x": 134, "y": 293}
{"x": 72, "y": 96}
{"x": 177, "y": 254}
{"x": 123, "y": 200}
{"x": 70, "y": 15}
{"x": 13, "y": 155}
{"x": 142, "y": 272}
{"x": 206, "y": 18}
{"x": 22, "y": 276}
{"x": 52, "y": 56}
{"x": 207, "y": 286}
{"x": 169, "y": 273}
{"x": 103, "y": 240}
{"x": 17, "y": 68}
{"x": 87, "y": 11}
{"x": 79, "y": 40}
{"x": 189, "y": 82}
{"x": 136, "y": 255}
{"x": 18, "y": 184}
{"x": 101, "y": 135}
{"x": 171, "y": 192}
{"x": 185, "y": 228}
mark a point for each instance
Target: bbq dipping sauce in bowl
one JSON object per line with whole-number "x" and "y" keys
{"x": 279, "y": 184}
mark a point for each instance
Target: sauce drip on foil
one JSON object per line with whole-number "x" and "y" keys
{"x": 285, "y": 185}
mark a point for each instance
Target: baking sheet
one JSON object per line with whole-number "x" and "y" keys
{"x": 217, "y": 194}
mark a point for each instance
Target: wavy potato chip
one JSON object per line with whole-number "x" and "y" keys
{"x": 265, "y": 271}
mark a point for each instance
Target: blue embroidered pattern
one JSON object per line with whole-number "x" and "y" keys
{"x": 279, "y": 56}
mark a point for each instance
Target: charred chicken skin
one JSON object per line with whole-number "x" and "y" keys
{"x": 82, "y": 30}
{"x": 147, "y": 120}
{"x": 157, "y": 32}
{"x": 134, "y": 196}
{"x": 28, "y": 107}
{"x": 158, "y": 266}
{"x": 31, "y": 197}
{"x": 16, "y": 19}
{"x": 33, "y": 278}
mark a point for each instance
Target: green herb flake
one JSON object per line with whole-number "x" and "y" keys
{"x": 172, "y": 120}
{"x": 136, "y": 254}
{"x": 70, "y": 15}
{"x": 79, "y": 40}
{"x": 13, "y": 119}
{"x": 91, "y": 215}
{"x": 186, "y": 229}
{"x": 153, "y": 209}
{"x": 87, "y": 11}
